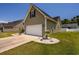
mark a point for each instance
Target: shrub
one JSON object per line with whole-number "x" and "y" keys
{"x": 21, "y": 30}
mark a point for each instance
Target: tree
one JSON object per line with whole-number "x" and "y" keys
{"x": 73, "y": 20}
{"x": 21, "y": 30}
{"x": 77, "y": 18}
{"x": 65, "y": 21}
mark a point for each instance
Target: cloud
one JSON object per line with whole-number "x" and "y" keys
{"x": 1, "y": 21}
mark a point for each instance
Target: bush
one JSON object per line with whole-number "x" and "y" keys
{"x": 21, "y": 30}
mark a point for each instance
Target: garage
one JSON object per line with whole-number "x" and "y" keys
{"x": 34, "y": 29}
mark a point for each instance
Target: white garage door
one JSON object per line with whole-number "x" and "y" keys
{"x": 34, "y": 29}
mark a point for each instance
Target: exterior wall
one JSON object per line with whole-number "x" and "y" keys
{"x": 9, "y": 30}
{"x": 50, "y": 26}
{"x": 38, "y": 19}
{"x": 18, "y": 26}
{"x": 58, "y": 26}
{"x": 14, "y": 29}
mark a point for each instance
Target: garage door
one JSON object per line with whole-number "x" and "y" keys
{"x": 34, "y": 29}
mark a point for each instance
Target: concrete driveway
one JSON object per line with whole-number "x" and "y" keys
{"x": 17, "y": 40}
{"x": 12, "y": 42}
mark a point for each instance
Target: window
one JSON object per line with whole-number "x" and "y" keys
{"x": 32, "y": 13}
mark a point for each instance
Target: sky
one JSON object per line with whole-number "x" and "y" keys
{"x": 17, "y": 11}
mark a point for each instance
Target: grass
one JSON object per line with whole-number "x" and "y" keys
{"x": 69, "y": 45}
{"x": 5, "y": 34}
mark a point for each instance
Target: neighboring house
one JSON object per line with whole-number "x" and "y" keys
{"x": 37, "y": 22}
{"x": 11, "y": 26}
{"x": 70, "y": 25}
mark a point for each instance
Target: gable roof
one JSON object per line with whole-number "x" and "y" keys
{"x": 10, "y": 24}
{"x": 54, "y": 19}
{"x": 45, "y": 13}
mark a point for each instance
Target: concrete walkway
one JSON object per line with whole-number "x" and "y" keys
{"x": 44, "y": 41}
{"x": 17, "y": 40}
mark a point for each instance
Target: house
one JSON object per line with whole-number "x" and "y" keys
{"x": 11, "y": 26}
{"x": 70, "y": 25}
{"x": 37, "y": 22}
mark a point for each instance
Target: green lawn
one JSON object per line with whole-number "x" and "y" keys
{"x": 5, "y": 34}
{"x": 69, "y": 45}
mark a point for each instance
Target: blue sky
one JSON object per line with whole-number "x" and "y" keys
{"x": 12, "y": 12}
